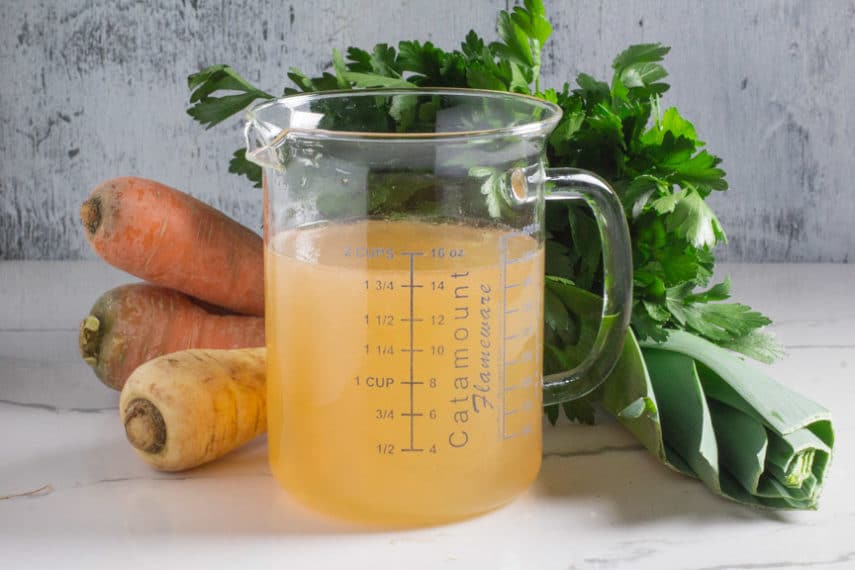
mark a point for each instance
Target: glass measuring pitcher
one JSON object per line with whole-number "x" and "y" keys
{"x": 404, "y": 271}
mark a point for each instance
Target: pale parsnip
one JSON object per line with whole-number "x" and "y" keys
{"x": 190, "y": 407}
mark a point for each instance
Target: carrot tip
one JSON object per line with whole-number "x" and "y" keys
{"x": 90, "y": 214}
{"x": 144, "y": 426}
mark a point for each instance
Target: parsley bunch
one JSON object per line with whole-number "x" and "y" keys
{"x": 618, "y": 129}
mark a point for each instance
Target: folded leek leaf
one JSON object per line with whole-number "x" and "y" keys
{"x": 774, "y": 444}
{"x": 630, "y": 398}
{"x": 687, "y": 428}
{"x": 705, "y": 412}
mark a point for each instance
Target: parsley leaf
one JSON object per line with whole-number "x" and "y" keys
{"x": 692, "y": 219}
{"x": 757, "y": 345}
{"x": 580, "y": 411}
{"x": 210, "y": 110}
{"x": 240, "y": 165}
{"x": 640, "y": 53}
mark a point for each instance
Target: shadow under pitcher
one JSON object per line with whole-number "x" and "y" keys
{"x": 404, "y": 266}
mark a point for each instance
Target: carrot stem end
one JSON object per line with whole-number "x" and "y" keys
{"x": 90, "y": 339}
{"x": 90, "y": 214}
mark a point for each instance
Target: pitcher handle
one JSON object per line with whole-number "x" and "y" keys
{"x": 579, "y": 185}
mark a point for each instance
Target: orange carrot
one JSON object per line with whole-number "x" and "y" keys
{"x": 132, "y": 324}
{"x": 173, "y": 240}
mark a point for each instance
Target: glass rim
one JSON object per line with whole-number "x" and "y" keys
{"x": 534, "y": 126}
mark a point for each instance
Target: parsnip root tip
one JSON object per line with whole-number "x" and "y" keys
{"x": 90, "y": 214}
{"x": 144, "y": 426}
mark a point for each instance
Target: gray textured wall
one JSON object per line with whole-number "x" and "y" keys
{"x": 91, "y": 89}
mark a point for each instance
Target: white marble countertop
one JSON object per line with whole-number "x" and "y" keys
{"x": 600, "y": 502}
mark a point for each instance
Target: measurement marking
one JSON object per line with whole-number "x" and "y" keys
{"x": 412, "y": 286}
{"x": 412, "y": 350}
{"x": 410, "y": 449}
{"x": 514, "y": 387}
{"x": 416, "y": 415}
{"x": 524, "y": 408}
{"x": 523, "y": 333}
{"x": 414, "y": 383}
{"x": 503, "y": 269}
{"x": 411, "y": 320}
{"x": 524, "y": 283}
{"x": 524, "y": 357}
{"x": 524, "y": 431}
{"x": 526, "y": 257}
{"x": 525, "y": 383}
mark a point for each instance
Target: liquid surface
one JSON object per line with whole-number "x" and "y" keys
{"x": 404, "y": 368}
